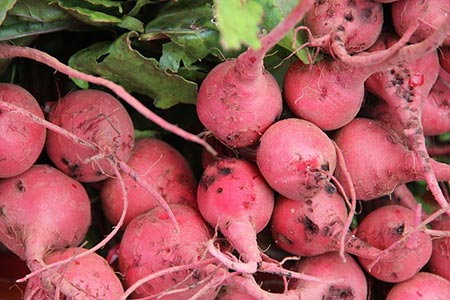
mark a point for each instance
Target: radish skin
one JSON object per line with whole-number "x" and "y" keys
{"x": 423, "y": 285}
{"x": 21, "y": 139}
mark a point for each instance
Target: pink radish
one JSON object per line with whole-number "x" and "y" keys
{"x": 21, "y": 140}
{"x": 353, "y": 283}
{"x": 42, "y": 210}
{"x": 394, "y": 225}
{"x": 314, "y": 226}
{"x": 440, "y": 258}
{"x": 378, "y": 159}
{"x": 234, "y": 197}
{"x": 98, "y": 118}
{"x": 429, "y": 13}
{"x": 330, "y": 92}
{"x": 423, "y": 285}
{"x": 162, "y": 166}
{"x": 86, "y": 278}
{"x": 296, "y": 158}
{"x": 238, "y": 100}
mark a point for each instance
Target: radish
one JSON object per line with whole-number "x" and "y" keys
{"x": 296, "y": 158}
{"x": 391, "y": 228}
{"x": 351, "y": 25}
{"x": 329, "y": 265}
{"x": 86, "y": 278}
{"x": 42, "y": 210}
{"x": 233, "y": 196}
{"x": 21, "y": 139}
{"x": 379, "y": 160}
{"x": 429, "y": 13}
{"x": 440, "y": 257}
{"x": 98, "y": 118}
{"x": 238, "y": 100}
{"x": 330, "y": 92}
{"x": 162, "y": 166}
{"x": 151, "y": 243}
{"x": 423, "y": 285}
{"x": 314, "y": 226}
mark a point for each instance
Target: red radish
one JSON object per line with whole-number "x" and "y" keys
{"x": 444, "y": 58}
{"x": 162, "y": 166}
{"x": 429, "y": 13}
{"x": 42, "y": 210}
{"x": 394, "y": 225}
{"x": 378, "y": 159}
{"x": 21, "y": 139}
{"x": 98, "y": 118}
{"x": 296, "y": 158}
{"x": 423, "y": 285}
{"x": 86, "y": 278}
{"x": 314, "y": 226}
{"x": 330, "y": 92}
{"x": 435, "y": 115}
{"x": 234, "y": 197}
{"x": 352, "y": 25}
{"x": 151, "y": 243}
{"x": 238, "y": 100}
{"x": 440, "y": 258}
{"x": 329, "y": 266}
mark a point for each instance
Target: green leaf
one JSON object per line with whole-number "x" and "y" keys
{"x": 173, "y": 54}
{"x": 38, "y": 11}
{"x": 5, "y": 6}
{"x": 119, "y": 62}
{"x": 238, "y": 22}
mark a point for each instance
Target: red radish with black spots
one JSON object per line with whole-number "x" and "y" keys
{"x": 238, "y": 100}
{"x": 21, "y": 139}
{"x": 98, "y": 118}
{"x": 164, "y": 167}
{"x": 315, "y": 226}
{"x": 234, "y": 197}
{"x": 378, "y": 160}
{"x": 151, "y": 243}
{"x": 42, "y": 210}
{"x": 296, "y": 158}
{"x": 407, "y": 250}
{"x": 353, "y": 284}
{"x": 330, "y": 92}
{"x": 87, "y": 278}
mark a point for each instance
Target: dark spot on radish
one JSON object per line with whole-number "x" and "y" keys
{"x": 330, "y": 189}
{"x": 341, "y": 28}
{"x": 341, "y": 293}
{"x": 20, "y": 185}
{"x": 325, "y": 230}
{"x": 225, "y": 171}
{"x": 308, "y": 202}
{"x": 311, "y": 228}
{"x": 399, "y": 230}
{"x": 349, "y": 17}
{"x": 219, "y": 190}
{"x": 366, "y": 14}
{"x": 351, "y": 3}
{"x": 206, "y": 181}
{"x": 325, "y": 167}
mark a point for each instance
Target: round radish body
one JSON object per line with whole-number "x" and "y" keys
{"x": 440, "y": 257}
{"x": 330, "y": 266}
{"x": 382, "y": 228}
{"x": 296, "y": 158}
{"x": 429, "y": 13}
{"x": 353, "y": 24}
{"x": 42, "y": 209}
{"x": 87, "y": 278}
{"x": 423, "y": 285}
{"x": 233, "y": 196}
{"x": 378, "y": 159}
{"x": 98, "y": 118}
{"x": 150, "y": 243}
{"x": 314, "y": 226}
{"x": 163, "y": 167}
{"x": 238, "y": 100}
{"x": 21, "y": 139}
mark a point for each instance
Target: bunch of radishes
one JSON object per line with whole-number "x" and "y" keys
{"x": 270, "y": 216}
